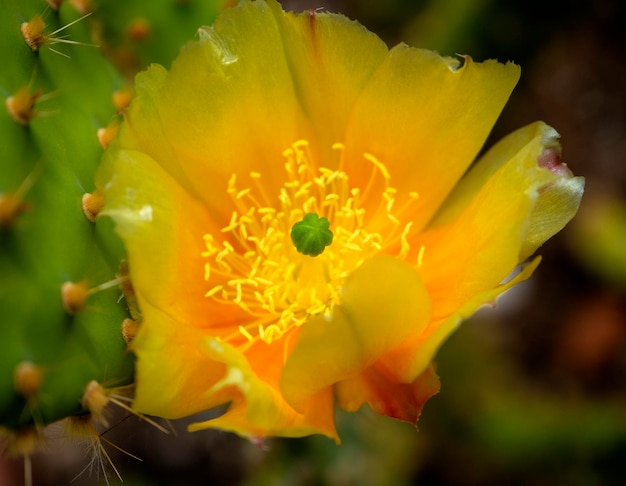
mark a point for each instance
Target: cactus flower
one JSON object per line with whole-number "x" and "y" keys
{"x": 271, "y": 119}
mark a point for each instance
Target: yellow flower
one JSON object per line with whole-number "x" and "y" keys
{"x": 268, "y": 117}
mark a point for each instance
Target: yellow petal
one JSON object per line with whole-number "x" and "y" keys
{"x": 164, "y": 249}
{"x": 384, "y": 303}
{"x": 559, "y": 198}
{"x": 255, "y": 82}
{"x": 426, "y": 118}
{"x": 498, "y": 214}
{"x": 479, "y": 235}
{"x": 331, "y": 60}
{"x": 172, "y": 371}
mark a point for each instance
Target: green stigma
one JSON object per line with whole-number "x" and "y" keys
{"x": 311, "y": 235}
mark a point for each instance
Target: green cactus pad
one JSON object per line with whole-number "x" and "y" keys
{"x": 47, "y": 161}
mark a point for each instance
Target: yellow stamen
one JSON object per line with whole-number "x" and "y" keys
{"x": 252, "y": 263}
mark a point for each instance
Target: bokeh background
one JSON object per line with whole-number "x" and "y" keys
{"x": 533, "y": 392}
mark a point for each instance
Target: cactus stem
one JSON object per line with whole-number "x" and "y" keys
{"x": 92, "y": 204}
{"x": 33, "y": 34}
{"x": 129, "y": 329}
{"x": 107, "y": 134}
{"x": 27, "y": 378}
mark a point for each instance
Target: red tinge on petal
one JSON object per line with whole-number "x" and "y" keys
{"x": 551, "y": 160}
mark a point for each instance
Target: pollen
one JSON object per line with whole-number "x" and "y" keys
{"x": 255, "y": 263}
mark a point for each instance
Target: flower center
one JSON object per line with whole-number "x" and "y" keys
{"x": 255, "y": 264}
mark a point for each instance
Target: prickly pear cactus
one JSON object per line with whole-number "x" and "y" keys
{"x": 61, "y": 306}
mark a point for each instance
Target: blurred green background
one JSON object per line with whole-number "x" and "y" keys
{"x": 533, "y": 392}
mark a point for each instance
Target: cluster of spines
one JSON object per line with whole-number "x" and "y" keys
{"x": 66, "y": 305}
{"x": 63, "y": 353}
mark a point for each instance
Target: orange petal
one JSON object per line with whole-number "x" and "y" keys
{"x": 258, "y": 409}
{"x": 405, "y": 363}
{"x": 400, "y": 401}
